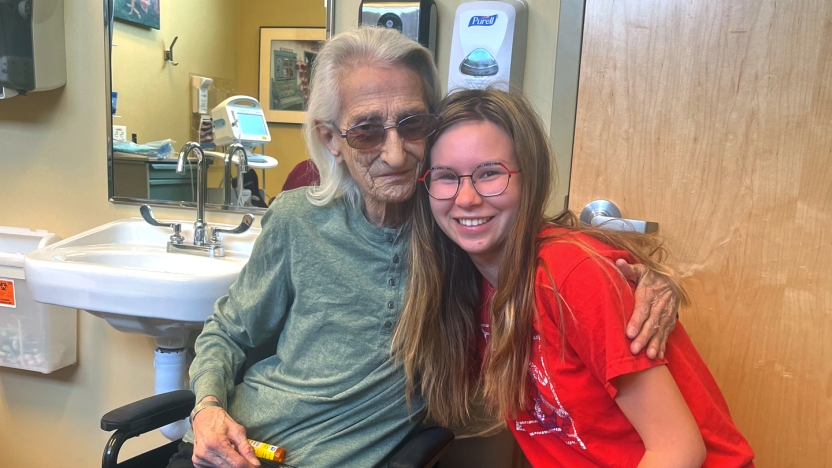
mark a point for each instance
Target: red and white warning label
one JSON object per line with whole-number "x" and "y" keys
{"x": 7, "y": 293}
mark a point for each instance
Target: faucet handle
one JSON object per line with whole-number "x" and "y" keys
{"x": 147, "y": 214}
{"x": 243, "y": 227}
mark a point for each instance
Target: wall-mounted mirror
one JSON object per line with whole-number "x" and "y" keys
{"x": 157, "y": 51}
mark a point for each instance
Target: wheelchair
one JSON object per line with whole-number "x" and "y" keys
{"x": 422, "y": 451}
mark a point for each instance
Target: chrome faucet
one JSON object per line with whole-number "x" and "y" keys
{"x": 229, "y": 155}
{"x": 201, "y": 184}
{"x": 201, "y": 246}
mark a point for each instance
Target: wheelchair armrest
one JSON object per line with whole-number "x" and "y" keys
{"x": 150, "y": 413}
{"x": 423, "y": 450}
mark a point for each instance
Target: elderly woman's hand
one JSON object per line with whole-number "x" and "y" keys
{"x": 219, "y": 442}
{"x": 654, "y": 314}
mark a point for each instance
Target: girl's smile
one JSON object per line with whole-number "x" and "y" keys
{"x": 478, "y": 224}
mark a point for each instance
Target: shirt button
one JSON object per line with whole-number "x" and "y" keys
{"x": 395, "y": 259}
{"x": 389, "y": 238}
{"x": 388, "y": 324}
{"x": 390, "y": 305}
{"x": 391, "y": 282}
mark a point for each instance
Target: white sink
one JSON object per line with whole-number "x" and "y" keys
{"x": 122, "y": 272}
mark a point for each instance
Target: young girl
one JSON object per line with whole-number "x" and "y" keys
{"x": 531, "y": 311}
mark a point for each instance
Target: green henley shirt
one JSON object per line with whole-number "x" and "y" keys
{"x": 332, "y": 285}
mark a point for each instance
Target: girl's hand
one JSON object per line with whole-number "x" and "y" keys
{"x": 655, "y": 312}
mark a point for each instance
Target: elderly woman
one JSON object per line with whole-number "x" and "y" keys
{"x": 328, "y": 273}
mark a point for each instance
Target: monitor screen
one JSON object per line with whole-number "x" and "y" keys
{"x": 252, "y": 124}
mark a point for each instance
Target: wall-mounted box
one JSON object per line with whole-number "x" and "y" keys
{"x": 488, "y": 46}
{"x": 32, "y": 51}
{"x": 33, "y": 336}
{"x": 415, "y": 19}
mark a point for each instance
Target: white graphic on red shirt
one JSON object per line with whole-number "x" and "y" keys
{"x": 486, "y": 331}
{"x": 547, "y": 418}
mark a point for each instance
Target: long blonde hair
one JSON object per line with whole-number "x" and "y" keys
{"x": 436, "y": 337}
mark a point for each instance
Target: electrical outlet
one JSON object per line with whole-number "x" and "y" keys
{"x": 119, "y": 133}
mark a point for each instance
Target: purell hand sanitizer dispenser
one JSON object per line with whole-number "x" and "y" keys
{"x": 32, "y": 54}
{"x": 489, "y": 45}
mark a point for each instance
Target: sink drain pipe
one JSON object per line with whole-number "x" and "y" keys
{"x": 171, "y": 369}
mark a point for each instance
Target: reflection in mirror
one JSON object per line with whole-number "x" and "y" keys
{"x": 165, "y": 83}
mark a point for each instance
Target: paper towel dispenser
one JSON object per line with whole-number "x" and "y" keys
{"x": 32, "y": 54}
{"x": 414, "y": 19}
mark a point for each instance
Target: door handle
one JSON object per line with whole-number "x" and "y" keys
{"x": 604, "y": 214}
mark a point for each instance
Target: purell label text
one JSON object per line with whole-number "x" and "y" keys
{"x": 482, "y": 20}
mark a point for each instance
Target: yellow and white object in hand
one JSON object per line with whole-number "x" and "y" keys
{"x": 268, "y": 452}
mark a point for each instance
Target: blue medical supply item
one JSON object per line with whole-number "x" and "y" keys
{"x": 154, "y": 149}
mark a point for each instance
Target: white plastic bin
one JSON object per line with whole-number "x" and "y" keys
{"x": 33, "y": 336}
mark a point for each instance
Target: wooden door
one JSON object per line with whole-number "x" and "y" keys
{"x": 714, "y": 118}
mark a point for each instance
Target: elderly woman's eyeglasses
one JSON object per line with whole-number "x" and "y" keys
{"x": 489, "y": 180}
{"x": 370, "y": 135}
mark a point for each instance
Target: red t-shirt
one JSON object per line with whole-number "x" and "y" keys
{"x": 572, "y": 419}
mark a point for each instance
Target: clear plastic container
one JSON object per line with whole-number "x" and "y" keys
{"x": 33, "y": 336}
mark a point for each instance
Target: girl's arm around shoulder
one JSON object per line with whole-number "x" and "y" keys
{"x": 652, "y": 402}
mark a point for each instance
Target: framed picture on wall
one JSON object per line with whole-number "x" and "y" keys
{"x": 142, "y": 12}
{"x": 286, "y": 58}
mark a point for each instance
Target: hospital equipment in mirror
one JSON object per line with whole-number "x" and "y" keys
{"x": 151, "y": 101}
{"x": 239, "y": 125}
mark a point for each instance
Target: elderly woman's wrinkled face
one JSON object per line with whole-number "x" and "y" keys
{"x": 386, "y": 95}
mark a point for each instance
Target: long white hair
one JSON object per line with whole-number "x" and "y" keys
{"x": 359, "y": 46}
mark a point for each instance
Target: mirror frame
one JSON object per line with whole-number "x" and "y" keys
{"x": 109, "y": 6}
